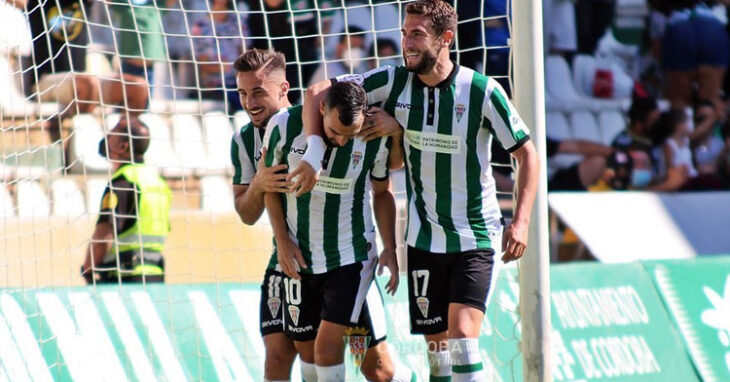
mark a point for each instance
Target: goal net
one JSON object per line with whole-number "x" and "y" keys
{"x": 70, "y": 69}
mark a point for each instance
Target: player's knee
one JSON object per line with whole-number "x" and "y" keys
{"x": 461, "y": 330}
{"x": 328, "y": 355}
{"x": 279, "y": 358}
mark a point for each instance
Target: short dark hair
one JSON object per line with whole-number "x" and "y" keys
{"x": 257, "y": 59}
{"x": 442, "y": 14}
{"x": 666, "y": 124}
{"x": 640, "y": 109}
{"x": 139, "y": 134}
{"x": 380, "y": 44}
{"x": 350, "y": 100}
{"x": 351, "y": 31}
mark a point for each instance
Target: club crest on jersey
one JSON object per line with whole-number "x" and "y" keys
{"x": 460, "y": 109}
{"x": 422, "y": 303}
{"x": 356, "y": 156}
{"x": 357, "y": 340}
{"x": 274, "y": 303}
{"x": 294, "y": 314}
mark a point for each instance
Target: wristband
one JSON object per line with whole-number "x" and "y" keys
{"x": 314, "y": 153}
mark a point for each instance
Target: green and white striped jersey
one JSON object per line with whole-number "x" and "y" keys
{"x": 333, "y": 224}
{"x": 452, "y": 203}
{"x": 245, "y": 155}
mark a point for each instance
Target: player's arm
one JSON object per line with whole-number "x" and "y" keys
{"x": 306, "y": 172}
{"x": 305, "y": 175}
{"x": 514, "y": 136}
{"x": 515, "y": 238}
{"x": 582, "y": 147}
{"x": 378, "y": 124}
{"x": 249, "y": 198}
{"x": 384, "y": 207}
{"x": 385, "y": 213}
{"x": 287, "y": 252}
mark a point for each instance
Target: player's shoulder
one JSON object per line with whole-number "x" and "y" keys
{"x": 282, "y": 122}
{"x": 244, "y": 131}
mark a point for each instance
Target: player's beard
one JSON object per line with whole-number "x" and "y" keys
{"x": 425, "y": 65}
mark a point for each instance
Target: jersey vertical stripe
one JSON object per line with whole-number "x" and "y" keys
{"x": 444, "y": 177}
{"x": 332, "y": 225}
{"x": 452, "y": 203}
{"x": 477, "y": 92}
{"x": 338, "y": 169}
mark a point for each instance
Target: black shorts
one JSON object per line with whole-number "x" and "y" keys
{"x": 271, "y": 303}
{"x": 437, "y": 279}
{"x": 346, "y": 296}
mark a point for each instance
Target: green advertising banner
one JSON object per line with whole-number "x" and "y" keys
{"x": 697, "y": 294}
{"x": 609, "y": 324}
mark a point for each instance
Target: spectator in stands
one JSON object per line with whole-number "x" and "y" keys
{"x": 706, "y": 137}
{"x": 293, "y": 28}
{"x": 178, "y": 19}
{"x": 129, "y": 237}
{"x": 559, "y": 23}
{"x": 593, "y": 17}
{"x": 386, "y": 50}
{"x": 676, "y": 148}
{"x": 469, "y": 42}
{"x": 617, "y": 174}
{"x": 677, "y": 151}
{"x": 349, "y": 57}
{"x": 496, "y": 34}
{"x": 636, "y": 140}
{"x": 218, "y": 41}
{"x": 723, "y": 165}
{"x": 581, "y": 175}
{"x": 139, "y": 42}
{"x": 694, "y": 49}
{"x": 60, "y": 39}
{"x": 59, "y": 36}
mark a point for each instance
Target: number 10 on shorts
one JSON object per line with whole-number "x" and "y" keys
{"x": 421, "y": 276}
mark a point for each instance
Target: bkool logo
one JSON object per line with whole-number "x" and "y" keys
{"x": 718, "y": 317}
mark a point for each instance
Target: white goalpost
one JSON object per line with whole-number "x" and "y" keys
{"x": 534, "y": 267}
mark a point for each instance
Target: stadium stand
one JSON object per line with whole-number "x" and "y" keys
{"x": 32, "y": 199}
{"x": 68, "y": 200}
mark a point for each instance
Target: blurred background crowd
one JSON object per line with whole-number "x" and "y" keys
{"x": 636, "y": 90}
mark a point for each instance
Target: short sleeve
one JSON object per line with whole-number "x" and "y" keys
{"x": 273, "y": 141}
{"x": 505, "y": 122}
{"x": 379, "y": 171}
{"x": 377, "y": 82}
{"x": 243, "y": 167}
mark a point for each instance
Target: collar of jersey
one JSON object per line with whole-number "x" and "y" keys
{"x": 446, "y": 82}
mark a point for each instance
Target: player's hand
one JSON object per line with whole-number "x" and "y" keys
{"x": 388, "y": 259}
{"x": 304, "y": 178}
{"x": 268, "y": 179}
{"x": 290, "y": 258}
{"x": 378, "y": 124}
{"x": 514, "y": 241}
